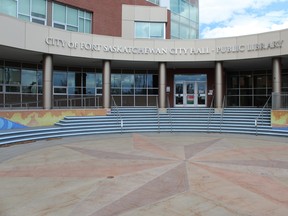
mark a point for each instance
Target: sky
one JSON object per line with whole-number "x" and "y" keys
{"x": 225, "y": 18}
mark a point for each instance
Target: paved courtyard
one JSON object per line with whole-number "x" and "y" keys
{"x": 181, "y": 174}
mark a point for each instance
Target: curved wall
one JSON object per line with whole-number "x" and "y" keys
{"x": 44, "y": 39}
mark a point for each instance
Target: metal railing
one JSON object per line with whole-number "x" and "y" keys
{"x": 261, "y": 115}
{"x": 84, "y": 102}
{"x": 169, "y": 113}
{"x": 24, "y": 105}
{"x": 279, "y": 101}
{"x": 222, "y": 112}
{"x": 210, "y": 114}
{"x": 158, "y": 115}
{"x": 118, "y": 115}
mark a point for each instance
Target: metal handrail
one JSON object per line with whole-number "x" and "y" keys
{"x": 158, "y": 117}
{"x": 119, "y": 117}
{"x": 71, "y": 101}
{"x": 169, "y": 113}
{"x": 10, "y": 105}
{"x": 261, "y": 114}
{"x": 222, "y": 112}
{"x": 210, "y": 113}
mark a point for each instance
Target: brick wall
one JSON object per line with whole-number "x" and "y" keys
{"x": 107, "y": 14}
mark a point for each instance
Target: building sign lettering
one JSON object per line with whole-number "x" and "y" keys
{"x": 55, "y": 42}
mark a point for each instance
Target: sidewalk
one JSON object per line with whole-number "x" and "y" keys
{"x": 146, "y": 174}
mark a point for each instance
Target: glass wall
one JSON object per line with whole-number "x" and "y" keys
{"x": 150, "y": 30}
{"x": 20, "y": 85}
{"x": 134, "y": 87}
{"x": 77, "y": 87}
{"x": 248, "y": 88}
{"x": 71, "y": 19}
{"x": 184, "y": 19}
{"x": 28, "y": 10}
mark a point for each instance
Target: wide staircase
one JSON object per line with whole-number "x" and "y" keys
{"x": 128, "y": 120}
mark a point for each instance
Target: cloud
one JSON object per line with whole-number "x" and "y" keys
{"x": 224, "y": 19}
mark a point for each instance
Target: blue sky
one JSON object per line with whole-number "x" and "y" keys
{"x": 225, "y": 18}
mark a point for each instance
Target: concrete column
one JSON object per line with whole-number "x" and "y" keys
{"x": 276, "y": 88}
{"x": 218, "y": 85}
{"x": 106, "y": 77}
{"x": 162, "y": 85}
{"x": 47, "y": 81}
{"x": 276, "y": 64}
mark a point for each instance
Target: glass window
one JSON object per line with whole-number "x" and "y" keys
{"x": 116, "y": 80}
{"x": 1, "y": 75}
{"x": 12, "y": 79}
{"x": 175, "y": 30}
{"x": 88, "y": 15}
{"x": 71, "y": 19}
{"x": 157, "y": 30}
{"x": 39, "y": 8}
{"x": 88, "y": 26}
{"x": 142, "y": 30}
{"x": 175, "y": 6}
{"x": 89, "y": 83}
{"x": 9, "y": 7}
{"x": 152, "y": 80}
{"x": 184, "y": 19}
{"x": 72, "y": 16}
{"x": 29, "y": 81}
{"x": 184, "y": 32}
{"x": 81, "y": 24}
{"x": 59, "y": 78}
{"x": 98, "y": 80}
{"x": 24, "y": 7}
{"x": 233, "y": 82}
{"x": 184, "y": 9}
{"x": 149, "y": 30}
{"x": 245, "y": 81}
{"x": 194, "y": 13}
{"x": 140, "y": 80}
{"x": 127, "y": 81}
{"x": 59, "y": 13}
{"x": 12, "y": 76}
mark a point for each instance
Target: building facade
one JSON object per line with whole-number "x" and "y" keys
{"x": 85, "y": 60}
{"x": 161, "y": 19}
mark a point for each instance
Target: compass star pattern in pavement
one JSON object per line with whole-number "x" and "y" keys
{"x": 146, "y": 174}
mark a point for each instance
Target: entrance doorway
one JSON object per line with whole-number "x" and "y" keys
{"x": 190, "y": 92}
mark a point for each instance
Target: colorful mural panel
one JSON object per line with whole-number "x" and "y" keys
{"x": 37, "y": 118}
{"x": 279, "y": 118}
{"x": 6, "y": 124}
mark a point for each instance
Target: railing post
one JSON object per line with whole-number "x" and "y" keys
{"x": 158, "y": 120}
{"x": 260, "y": 114}
{"x": 222, "y": 112}
{"x": 209, "y": 115}
{"x": 169, "y": 113}
{"x": 119, "y": 118}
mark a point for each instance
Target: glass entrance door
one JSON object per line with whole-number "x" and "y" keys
{"x": 190, "y": 93}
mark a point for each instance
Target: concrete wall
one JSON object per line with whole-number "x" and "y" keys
{"x": 131, "y": 13}
{"x": 43, "y": 39}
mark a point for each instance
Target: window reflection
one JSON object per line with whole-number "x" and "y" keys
{"x": 71, "y": 19}
{"x": 149, "y": 30}
{"x": 248, "y": 88}
{"x": 141, "y": 84}
{"x": 29, "y": 81}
